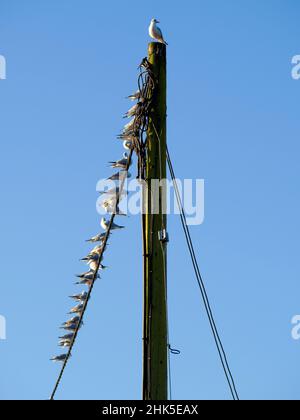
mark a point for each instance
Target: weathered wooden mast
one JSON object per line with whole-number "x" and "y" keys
{"x": 155, "y": 363}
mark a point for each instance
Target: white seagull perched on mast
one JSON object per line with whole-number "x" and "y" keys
{"x": 155, "y": 32}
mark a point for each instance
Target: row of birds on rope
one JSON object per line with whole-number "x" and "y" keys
{"x": 133, "y": 141}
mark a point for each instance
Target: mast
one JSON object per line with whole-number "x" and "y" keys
{"x": 155, "y": 357}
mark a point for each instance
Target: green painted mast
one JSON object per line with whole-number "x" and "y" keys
{"x": 155, "y": 357}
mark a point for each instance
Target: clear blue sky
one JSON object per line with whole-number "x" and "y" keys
{"x": 233, "y": 120}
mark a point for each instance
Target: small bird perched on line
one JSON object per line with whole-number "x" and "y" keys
{"x": 64, "y": 343}
{"x": 129, "y": 127}
{"x": 77, "y": 309}
{"x": 128, "y": 145}
{"x": 88, "y": 275}
{"x": 67, "y": 337}
{"x": 105, "y": 225}
{"x": 155, "y": 32}
{"x": 122, "y": 163}
{"x": 97, "y": 238}
{"x": 79, "y": 297}
{"x": 85, "y": 282}
{"x": 132, "y": 111}
{"x": 110, "y": 207}
{"x": 71, "y": 327}
{"x": 60, "y": 358}
{"x": 71, "y": 321}
{"x": 135, "y": 96}
{"x": 120, "y": 176}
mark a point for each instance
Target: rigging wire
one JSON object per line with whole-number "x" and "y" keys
{"x": 208, "y": 309}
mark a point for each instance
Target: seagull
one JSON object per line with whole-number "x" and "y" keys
{"x": 122, "y": 163}
{"x": 77, "y": 309}
{"x": 119, "y": 176}
{"x": 110, "y": 200}
{"x": 114, "y": 192}
{"x": 129, "y": 127}
{"x": 90, "y": 257}
{"x": 85, "y": 282}
{"x": 93, "y": 265}
{"x": 105, "y": 225}
{"x": 119, "y": 164}
{"x": 67, "y": 337}
{"x": 129, "y": 132}
{"x": 97, "y": 250}
{"x": 126, "y": 136}
{"x": 71, "y": 321}
{"x": 155, "y": 32}
{"x": 132, "y": 111}
{"x": 60, "y": 358}
{"x": 97, "y": 238}
{"x": 81, "y": 297}
{"x": 92, "y": 260}
{"x": 64, "y": 343}
{"x": 110, "y": 207}
{"x": 71, "y": 327}
{"x": 89, "y": 275}
{"x": 127, "y": 144}
{"x": 135, "y": 96}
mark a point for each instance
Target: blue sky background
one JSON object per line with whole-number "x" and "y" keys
{"x": 233, "y": 119}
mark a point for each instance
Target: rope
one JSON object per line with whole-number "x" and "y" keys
{"x": 214, "y": 329}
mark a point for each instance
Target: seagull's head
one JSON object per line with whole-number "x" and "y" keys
{"x": 155, "y": 21}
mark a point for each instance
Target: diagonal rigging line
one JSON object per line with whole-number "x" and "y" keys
{"x": 93, "y": 280}
{"x": 217, "y": 339}
{"x": 201, "y": 284}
